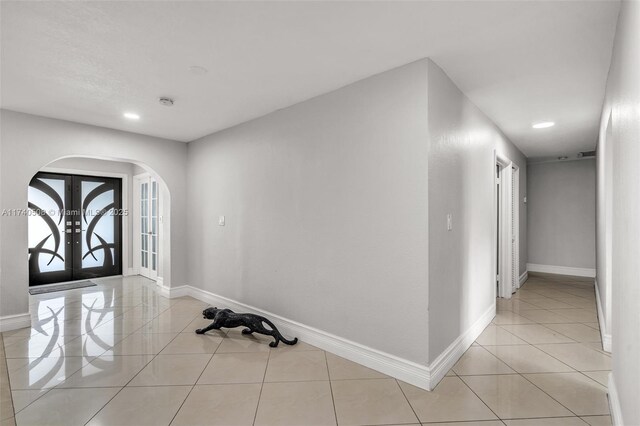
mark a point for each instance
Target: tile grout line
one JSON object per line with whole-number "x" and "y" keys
{"x": 264, "y": 376}
{"x": 145, "y": 366}
{"x": 409, "y": 402}
{"x": 575, "y": 370}
{"x": 333, "y": 401}
{"x": 478, "y": 396}
{"x": 197, "y": 380}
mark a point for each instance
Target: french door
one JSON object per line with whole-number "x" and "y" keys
{"x": 75, "y": 227}
{"x": 147, "y": 217}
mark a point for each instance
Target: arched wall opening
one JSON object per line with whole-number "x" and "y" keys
{"x": 126, "y": 171}
{"x": 30, "y": 143}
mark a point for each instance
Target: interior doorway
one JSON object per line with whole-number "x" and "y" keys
{"x": 146, "y": 225}
{"x": 507, "y": 222}
{"x": 74, "y": 227}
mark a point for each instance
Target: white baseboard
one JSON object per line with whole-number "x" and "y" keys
{"x": 562, "y": 270}
{"x": 447, "y": 359}
{"x": 604, "y": 331}
{"x": 523, "y": 278}
{"x": 14, "y": 322}
{"x": 425, "y": 377}
{"x": 614, "y": 403}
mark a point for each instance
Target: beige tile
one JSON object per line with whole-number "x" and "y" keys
{"x": 547, "y": 303}
{"x": 8, "y": 422}
{"x": 6, "y": 403}
{"x": 578, "y": 393}
{"x": 66, "y": 406}
{"x": 42, "y": 373}
{"x": 165, "y": 370}
{"x": 512, "y": 396}
{"x": 243, "y": 344}
{"x": 343, "y": 369}
{"x": 577, "y": 332}
{"x": 598, "y": 347}
{"x": 228, "y": 405}
{"x": 478, "y": 423}
{"x": 296, "y": 366}
{"x": 37, "y": 346}
{"x": 295, "y": 404}
{"x": 578, "y": 356}
{"x": 92, "y": 345}
{"x": 536, "y": 333}
{"x": 166, "y": 324}
{"x": 107, "y": 371}
{"x": 373, "y": 401}
{"x": 235, "y": 368}
{"x": 601, "y": 377}
{"x": 22, "y": 398}
{"x": 496, "y": 335}
{"x": 300, "y": 346}
{"x": 594, "y": 325}
{"x": 579, "y": 315}
{"x": 507, "y": 317}
{"x": 143, "y": 344}
{"x": 518, "y": 306}
{"x": 121, "y": 325}
{"x": 598, "y": 420}
{"x": 192, "y": 343}
{"x": 543, "y": 316}
{"x": 477, "y": 360}
{"x": 558, "y": 421}
{"x": 451, "y": 400}
{"x": 528, "y": 359}
{"x": 151, "y": 406}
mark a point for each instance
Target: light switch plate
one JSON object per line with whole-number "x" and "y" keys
{"x": 449, "y": 222}
{"x": 221, "y": 221}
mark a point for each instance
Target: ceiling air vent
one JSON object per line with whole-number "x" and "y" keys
{"x": 586, "y": 154}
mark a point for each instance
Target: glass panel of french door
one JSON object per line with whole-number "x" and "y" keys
{"x": 144, "y": 225}
{"x": 49, "y": 229}
{"x": 75, "y": 225}
{"x": 149, "y": 207}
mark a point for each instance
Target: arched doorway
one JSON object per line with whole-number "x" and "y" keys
{"x": 95, "y": 228}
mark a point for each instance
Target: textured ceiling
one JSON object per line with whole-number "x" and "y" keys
{"x": 89, "y": 62}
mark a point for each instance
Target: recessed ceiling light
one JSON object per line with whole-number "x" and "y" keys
{"x": 198, "y": 70}
{"x": 564, "y": 157}
{"x": 543, "y": 125}
{"x": 131, "y": 116}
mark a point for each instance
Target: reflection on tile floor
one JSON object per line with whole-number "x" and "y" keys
{"x": 120, "y": 354}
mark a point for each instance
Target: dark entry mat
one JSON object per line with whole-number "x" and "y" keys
{"x": 61, "y": 287}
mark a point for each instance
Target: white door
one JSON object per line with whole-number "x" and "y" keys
{"x": 507, "y": 228}
{"x": 147, "y": 226}
{"x": 515, "y": 229}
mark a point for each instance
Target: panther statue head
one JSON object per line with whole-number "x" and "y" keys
{"x": 210, "y": 313}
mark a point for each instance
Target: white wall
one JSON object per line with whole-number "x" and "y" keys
{"x": 326, "y": 212}
{"x": 622, "y": 103}
{"x": 462, "y": 141}
{"x": 29, "y": 143}
{"x": 562, "y": 213}
{"x": 80, "y": 165}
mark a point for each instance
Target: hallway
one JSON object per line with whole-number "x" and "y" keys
{"x": 120, "y": 354}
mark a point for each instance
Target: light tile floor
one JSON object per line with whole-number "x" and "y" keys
{"x": 120, "y": 354}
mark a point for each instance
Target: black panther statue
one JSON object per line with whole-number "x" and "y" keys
{"x": 254, "y": 323}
